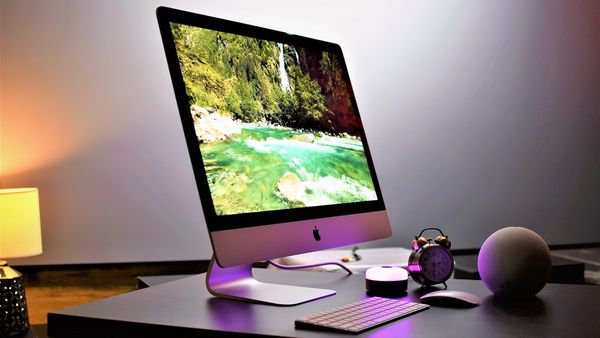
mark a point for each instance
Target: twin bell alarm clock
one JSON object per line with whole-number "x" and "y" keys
{"x": 430, "y": 262}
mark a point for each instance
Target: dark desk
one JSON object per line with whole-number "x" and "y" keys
{"x": 184, "y": 308}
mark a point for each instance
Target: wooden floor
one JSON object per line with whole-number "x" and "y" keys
{"x": 44, "y": 299}
{"x": 51, "y": 288}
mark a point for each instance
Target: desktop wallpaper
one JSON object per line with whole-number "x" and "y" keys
{"x": 275, "y": 123}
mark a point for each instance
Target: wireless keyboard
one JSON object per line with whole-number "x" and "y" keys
{"x": 360, "y": 316}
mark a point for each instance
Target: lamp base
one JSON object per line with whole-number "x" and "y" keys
{"x": 14, "y": 320}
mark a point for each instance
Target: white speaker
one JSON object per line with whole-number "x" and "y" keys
{"x": 514, "y": 262}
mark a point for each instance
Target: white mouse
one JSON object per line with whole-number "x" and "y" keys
{"x": 451, "y": 298}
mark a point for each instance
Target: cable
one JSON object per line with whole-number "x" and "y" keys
{"x": 293, "y": 267}
{"x": 355, "y": 255}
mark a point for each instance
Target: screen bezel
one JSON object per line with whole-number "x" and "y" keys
{"x": 215, "y": 222}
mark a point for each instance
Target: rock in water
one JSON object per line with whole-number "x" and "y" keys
{"x": 291, "y": 187}
{"x": 309, "y": 138}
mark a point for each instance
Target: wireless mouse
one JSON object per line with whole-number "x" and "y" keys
{"x": 451, "y": 298}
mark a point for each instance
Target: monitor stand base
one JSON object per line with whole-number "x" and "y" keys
{"x": 238, "y": 283}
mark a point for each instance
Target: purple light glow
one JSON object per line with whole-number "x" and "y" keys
{"x": 415, "y": 245}
{"x": 414, "y": 268}
{"x": 232, "y": 316}
{"x": 401, "y": 328}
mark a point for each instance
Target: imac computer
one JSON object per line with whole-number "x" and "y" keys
{"x": 277, "y": 146}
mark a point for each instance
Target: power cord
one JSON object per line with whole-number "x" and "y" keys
{"x": 294, "y": 267}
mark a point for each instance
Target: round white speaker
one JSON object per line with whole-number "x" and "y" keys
{"x": 514, "y": 262}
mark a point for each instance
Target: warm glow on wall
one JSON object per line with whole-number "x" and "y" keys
{"x": 35, "y": 131}
{"x": 47, "y": 99}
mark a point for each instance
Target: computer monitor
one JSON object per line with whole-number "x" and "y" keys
{"x": 277, "y": 147}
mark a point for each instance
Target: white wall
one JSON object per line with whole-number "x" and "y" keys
{"x": 480, "y": 115}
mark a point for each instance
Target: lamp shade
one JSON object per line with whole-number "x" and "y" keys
{"x": 20, "y": 231}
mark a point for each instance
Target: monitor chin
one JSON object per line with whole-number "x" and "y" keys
{"x": 283, "y": 239}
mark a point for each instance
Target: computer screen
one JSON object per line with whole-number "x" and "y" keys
{"x": 275, "y": 123}
{"x": 275, "y": 138}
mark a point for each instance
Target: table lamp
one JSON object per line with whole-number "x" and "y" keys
{"x": 20, "y": 236}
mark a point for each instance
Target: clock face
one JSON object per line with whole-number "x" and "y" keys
{"x": 437, "y": 264}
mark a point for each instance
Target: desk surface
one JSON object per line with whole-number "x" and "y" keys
{"x": 184, "y": 308}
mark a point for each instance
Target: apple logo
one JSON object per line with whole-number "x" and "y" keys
{"x": 316, "y": 234}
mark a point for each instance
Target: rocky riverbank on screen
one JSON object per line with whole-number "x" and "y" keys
{"x": 258, "y": 166}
